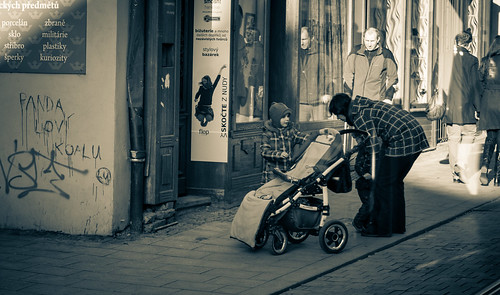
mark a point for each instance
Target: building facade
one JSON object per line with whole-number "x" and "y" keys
{"x": 96, "y": 133}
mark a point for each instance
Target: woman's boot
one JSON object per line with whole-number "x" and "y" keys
{"x": 489, "y": 147}
{"x": 483, "y": 178}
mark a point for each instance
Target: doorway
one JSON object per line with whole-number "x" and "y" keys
{"x": 184, "y": 94}
{"x": 161, "y": 89}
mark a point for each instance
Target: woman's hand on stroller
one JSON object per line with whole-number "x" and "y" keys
{"x": 330, "y": 132}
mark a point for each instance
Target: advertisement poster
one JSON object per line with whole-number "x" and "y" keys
{"x": 43, "y": 36}
{"x": 211, "y": 51}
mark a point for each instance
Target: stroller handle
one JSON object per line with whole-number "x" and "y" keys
{"x": 333, "y": 166}
{"x": 345, "y": 157}
{"x": 348, "y": 131}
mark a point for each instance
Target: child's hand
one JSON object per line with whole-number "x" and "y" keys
{"x": 284, "y": 155}
{"x": 326, "y": 98}
{"x": 323, "y": 131}
{"x": 367, "y": 176}
{"x": 328, "y": 131}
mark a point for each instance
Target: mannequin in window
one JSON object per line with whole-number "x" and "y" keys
{"x": 312, "y": 94}
{"x": 249, "y": 71}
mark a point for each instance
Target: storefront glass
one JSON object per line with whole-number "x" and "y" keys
{"x": 249, "y": 66}
{"x": 322, "y": 27}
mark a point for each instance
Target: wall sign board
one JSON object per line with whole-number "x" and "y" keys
{"x": 43, "y": 36}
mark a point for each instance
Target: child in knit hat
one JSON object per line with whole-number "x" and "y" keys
{"x": 278, "y": 140}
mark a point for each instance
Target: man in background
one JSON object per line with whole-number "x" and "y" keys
{"x": 370, "y": 69}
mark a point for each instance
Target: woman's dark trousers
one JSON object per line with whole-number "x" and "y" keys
{"x": 492, "y": 140}
{"x": 389, "y": 214}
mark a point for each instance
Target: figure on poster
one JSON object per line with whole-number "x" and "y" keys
{"x": 204, "y": 112}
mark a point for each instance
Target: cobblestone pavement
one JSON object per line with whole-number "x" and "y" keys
{"x": 198, "y": 256}
{"x": 460, "y": 257}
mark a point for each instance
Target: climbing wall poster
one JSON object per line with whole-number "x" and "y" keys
{"x": 210, "y": 101}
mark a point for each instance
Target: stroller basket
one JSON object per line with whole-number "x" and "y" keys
{"x": 305, "y": 214}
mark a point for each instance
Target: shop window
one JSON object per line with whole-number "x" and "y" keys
{"x": 321, "y": 52}
{"x": 248, "y": 93}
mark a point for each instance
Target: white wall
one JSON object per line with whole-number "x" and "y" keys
{"x": 85, "y": 188}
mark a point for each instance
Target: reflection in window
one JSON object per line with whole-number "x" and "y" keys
{"x": 320, "y": 56}
{"x": 249, "y": 66}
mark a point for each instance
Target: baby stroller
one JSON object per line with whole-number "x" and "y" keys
{"x": 295, "y": 205}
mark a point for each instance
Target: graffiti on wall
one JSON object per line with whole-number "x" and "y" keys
{"x": 103, "y": 175}
{"x": 34, "y": 164}
{"x": 23, "y": 168}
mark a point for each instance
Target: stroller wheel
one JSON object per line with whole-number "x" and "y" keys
{"x": 333, "y": 236}
{"x": 261, "y": 239}
{"x": 296, "y": 237}
{"x": 279, "y": 241}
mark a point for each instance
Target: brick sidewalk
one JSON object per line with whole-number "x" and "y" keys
{"x": 206, "y": 261}
{"x": 460, "y": 257}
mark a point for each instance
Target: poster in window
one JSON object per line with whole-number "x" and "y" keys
{"x": 210, "y": 101}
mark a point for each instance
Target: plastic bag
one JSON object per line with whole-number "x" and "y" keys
{"x": 436, "y": 108}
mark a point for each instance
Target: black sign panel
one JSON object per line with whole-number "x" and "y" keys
{"x": 43, "y": 36}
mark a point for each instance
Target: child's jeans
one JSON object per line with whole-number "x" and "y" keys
{"x": 363, "y": 186}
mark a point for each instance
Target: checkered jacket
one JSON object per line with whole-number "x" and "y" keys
{"x": 276, "y": 141}
{"x": 399, "y": 131}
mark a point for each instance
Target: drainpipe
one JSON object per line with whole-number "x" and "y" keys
{"x": 135, "y": 99}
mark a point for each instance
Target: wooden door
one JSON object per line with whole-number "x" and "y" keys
{"x": 162, "y": 103}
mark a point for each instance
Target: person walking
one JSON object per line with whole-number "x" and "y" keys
{"x": 397, "y": 139}
{"x": 462, "y": 103}
{"x": 489, "y": 110}
{"x": 370, "y": 70}
{"x": 279, "y": 138}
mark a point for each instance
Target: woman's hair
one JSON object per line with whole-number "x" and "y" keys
{"x": 494, "y": 47}
{"x": 464, "y": 38}
{"x": 339, "y": 105}
{"x": 209, "y": 81}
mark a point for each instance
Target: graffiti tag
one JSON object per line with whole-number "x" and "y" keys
{"x": 21, "y": 172}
